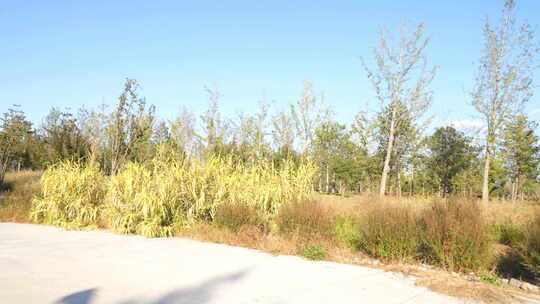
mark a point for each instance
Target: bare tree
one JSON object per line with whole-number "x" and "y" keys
{"x": 214, "y": 126}
{"x": 283, "y": 132}
{"x": 132, "y": 125}
{"x": 252, "y": 133}
{"x": 183, "y": 134}
{"x": 401, "y": 82}
{"x": 308, "y": 114}
{"x": 93, "y": 124}
{"x": 504, "y": 79}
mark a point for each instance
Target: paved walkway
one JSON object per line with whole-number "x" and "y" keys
{"x": 42, "y": 264}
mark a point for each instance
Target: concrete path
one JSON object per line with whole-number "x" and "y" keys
{"x": 41, "y": 264}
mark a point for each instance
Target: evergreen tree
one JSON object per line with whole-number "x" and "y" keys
{"x": 450, "y": 153}
{"x": 521, "y": 150}
{"x": 340, "y": 160}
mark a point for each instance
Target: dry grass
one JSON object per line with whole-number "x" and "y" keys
{"x": 455, "y": 235}
{"x": 235, "y": 217}
{"x": 518, "y": 212}
{"x": 16, "y": 197}
{"x": 390, "y": 232}
{"x": 247, "y": 237}
{"x": 308, "y": 220}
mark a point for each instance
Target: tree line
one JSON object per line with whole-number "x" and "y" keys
{"x": 387, "y": 151}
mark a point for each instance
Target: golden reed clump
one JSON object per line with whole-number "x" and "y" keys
{"x": 71, "y": 195}
{"x": 156, "y": 198}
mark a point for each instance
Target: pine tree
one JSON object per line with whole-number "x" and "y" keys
{"x": 521, "y": 148}
{"x": 450, "y": 154}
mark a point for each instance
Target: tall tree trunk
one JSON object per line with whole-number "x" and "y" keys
{"x": 485, "y": 185}
{"x": 327, "y": 179}
{"x": 517, "y": 189}
{"x": 513, "y": 195}
{"x": 412, "y": 183}
{"x": 386, "y": 168}
{"x": 398, "y": 182}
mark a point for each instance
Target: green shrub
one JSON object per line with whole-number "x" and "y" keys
{"x": 348, "y": 231}
{"x": 490, "y": 278}
{"x": 508, "y": 234}
{"x": 71, "y": 196}
{"x": 233, "y": 217}
{"x": 455, "y": 236}
{"x": 306, "y": 219}
{"x": 390, "y": 233}
{"x": 314, "y": 253}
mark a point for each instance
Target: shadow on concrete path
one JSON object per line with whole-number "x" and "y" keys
{"x": 81, "y": 297}
{"x": 199, "y": 294}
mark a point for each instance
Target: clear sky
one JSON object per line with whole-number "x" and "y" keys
{"x": 75, "y": 53}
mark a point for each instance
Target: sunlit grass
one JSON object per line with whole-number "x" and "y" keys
{"x": 16, "y": 196}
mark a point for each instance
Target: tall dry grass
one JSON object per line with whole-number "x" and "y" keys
{"x": 16, "y": 195}
{"x": 452, "y": 234}
{"x": 455, "y": 235}
{"x": 307, "y": 220}
{"x": 529, "y": 246}
{"x": 521, "y": 257}
{"x": 390, "y": 232}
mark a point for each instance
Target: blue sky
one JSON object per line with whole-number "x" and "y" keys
{"x": 75, "y": 53}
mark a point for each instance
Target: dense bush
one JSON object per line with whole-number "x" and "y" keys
{"x": 71, "y": 195}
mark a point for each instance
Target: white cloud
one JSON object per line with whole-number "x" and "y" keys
{"x": 468, "y": 125}
{"x": 535, "y": 111}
